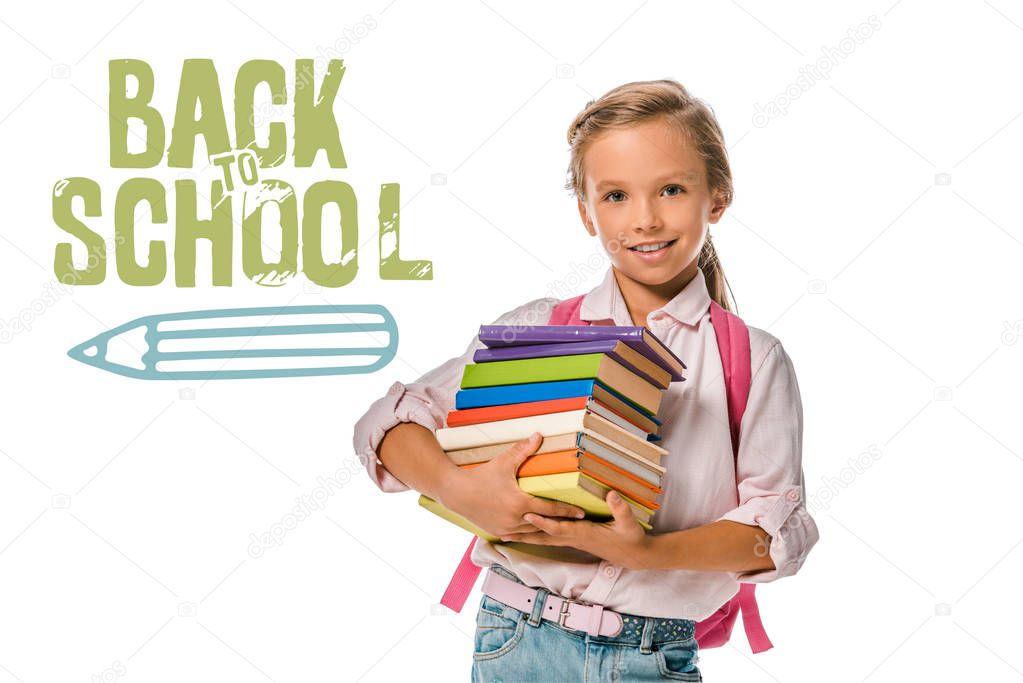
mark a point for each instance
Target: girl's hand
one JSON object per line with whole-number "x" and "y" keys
{"x": 623, "y": 542}
{"x": 489, "y": 494}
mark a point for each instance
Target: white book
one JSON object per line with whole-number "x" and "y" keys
{"x": 611, "y": 416}
{"x": 549, "y": 424}
{"x": 641, "y": 467}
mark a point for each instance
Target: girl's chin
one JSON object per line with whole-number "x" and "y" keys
{"x": 652, "y": 275}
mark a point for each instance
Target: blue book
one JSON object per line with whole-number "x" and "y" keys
{"x": 506, "y": 394}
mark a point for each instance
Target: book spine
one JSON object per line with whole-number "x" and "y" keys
{"x": 494, "y": 336}
{"x": 528, "y": 370}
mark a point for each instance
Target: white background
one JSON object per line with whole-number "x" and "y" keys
{"x": 875, "y": 231}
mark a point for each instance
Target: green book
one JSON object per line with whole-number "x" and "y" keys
{"x": 598, "y": 366}
{"x": 524, "y": 370}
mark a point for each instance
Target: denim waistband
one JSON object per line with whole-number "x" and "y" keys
{"x": 636, "y": 629}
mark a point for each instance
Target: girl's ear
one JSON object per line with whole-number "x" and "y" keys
{"x": 718, "y": 209}
{"x": 587, "y": 223}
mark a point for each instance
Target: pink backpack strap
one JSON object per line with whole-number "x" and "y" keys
{"x": 462, "y": 580}
{"x": 567, "y": 312}
{"x": 734, "y": 347}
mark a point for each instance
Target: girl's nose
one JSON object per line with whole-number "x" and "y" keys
{"x": 645, "y": 217}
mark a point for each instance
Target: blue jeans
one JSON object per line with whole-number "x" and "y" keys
{"x": 511, "y": 646}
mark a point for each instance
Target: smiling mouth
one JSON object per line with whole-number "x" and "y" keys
{"x": 651, "y": 248}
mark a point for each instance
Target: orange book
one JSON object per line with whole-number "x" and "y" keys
{"x": 569, "y": 461}
{"x": 544, "y": 463}
{"x": 586, "y": 455}
{"x": 619, "y": 479}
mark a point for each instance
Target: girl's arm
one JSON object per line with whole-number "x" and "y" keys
{"x": 424, "y": 402}
{"x": 770, "y": 533}
{"x": 722, "y": 545}
{"x": 719, "y": 546}
{"x": 488, "y": 495}
{"x": 771, "y": 529}
{"x": 767, "y": 536}
{"x": 396, "y": 442}
{"x": 429, "y": 471}
{"x": 772, "y": 495}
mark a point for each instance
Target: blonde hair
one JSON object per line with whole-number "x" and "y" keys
{"x": 642, "y": 101}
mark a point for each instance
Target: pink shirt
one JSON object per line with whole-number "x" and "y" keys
{"x": 700, "y": 483}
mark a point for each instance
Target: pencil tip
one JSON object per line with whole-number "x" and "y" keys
{"x": 87, "y": 352}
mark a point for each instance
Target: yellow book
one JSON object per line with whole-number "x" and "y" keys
{"x": 578, "y": 489}
{"x": 455, "y": 518}
{"x": 570, "y": 487}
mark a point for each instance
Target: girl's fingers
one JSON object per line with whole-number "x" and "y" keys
{"x": 538, "y": 538}
{"x": 621, "y": 510}
{"x": 551, "y": 526}
{"x": 550, "y": 508}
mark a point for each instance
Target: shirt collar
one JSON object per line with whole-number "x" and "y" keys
{"x": 605, "y": 303}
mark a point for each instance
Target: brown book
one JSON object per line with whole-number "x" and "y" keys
{"x": 661, "y": 377}
{"x": 598, "y": 366}
{"x": 633, "y": 415}
{"x": 464, "y": 456}
{"x": 619, "y": 479}
{"x": 550, "y": 424}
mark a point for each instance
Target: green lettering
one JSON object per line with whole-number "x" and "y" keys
{"x": 334, "y": 274}
{"x": 256, "y": 269}
{"x": 63, "y": 264}
{"x": 250, "y": 75}
{"x": 391, "y": 265}
{"x": 315, "y": 126}
{"x": 129, "y": 195}
{"x": 122, "y": 108}
{"x": 190, "y": 228}
{"x": 199, "y": 86}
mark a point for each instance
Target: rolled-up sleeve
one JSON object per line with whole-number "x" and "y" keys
{"x": 772, "y": 493}
{"x": 428, "y": 400}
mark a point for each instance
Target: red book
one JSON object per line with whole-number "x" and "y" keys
{"x": 471, "y": 416}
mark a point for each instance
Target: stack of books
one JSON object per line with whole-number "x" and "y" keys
{"x": 591, "y": 391}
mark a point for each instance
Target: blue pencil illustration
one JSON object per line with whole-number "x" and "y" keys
{"x": 282, "y": 341}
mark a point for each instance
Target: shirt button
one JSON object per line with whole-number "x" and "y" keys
{"x": 793, "y": 495}
{"x": 610, "y": 571}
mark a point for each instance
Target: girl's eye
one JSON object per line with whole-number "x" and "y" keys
{"x": 617, "y": 196}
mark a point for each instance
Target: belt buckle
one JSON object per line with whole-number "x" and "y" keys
{"x": 563, "y": 613}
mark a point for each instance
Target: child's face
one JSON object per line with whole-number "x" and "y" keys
{"x": 645, "y": 184}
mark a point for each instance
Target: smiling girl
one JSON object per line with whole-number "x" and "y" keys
{"x": 570, "y": 599}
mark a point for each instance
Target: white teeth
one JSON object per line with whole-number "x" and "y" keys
{"x": 650, "y": 247}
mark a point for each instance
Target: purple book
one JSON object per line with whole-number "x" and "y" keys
{"x": 570, "y": 349}
{"x": 640, "y": 339}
